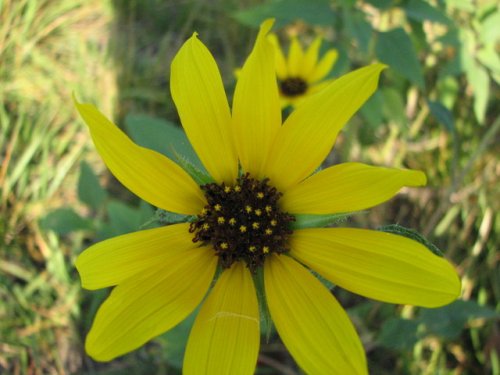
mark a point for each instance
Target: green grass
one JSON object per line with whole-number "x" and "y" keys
{"x": 47, "y": 51}
{"x": 117, "y": 55}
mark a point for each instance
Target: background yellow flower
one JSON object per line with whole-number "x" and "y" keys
{"x": 301, "y": 72}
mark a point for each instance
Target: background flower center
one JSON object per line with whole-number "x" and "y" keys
{"x": 293, "y": 86}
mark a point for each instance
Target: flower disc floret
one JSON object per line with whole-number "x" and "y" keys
{"x": 243, "y": 222}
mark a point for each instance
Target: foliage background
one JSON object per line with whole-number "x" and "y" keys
{"x": 436, "y": 110}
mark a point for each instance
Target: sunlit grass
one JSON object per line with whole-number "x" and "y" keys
{"x": 47, "y": 50}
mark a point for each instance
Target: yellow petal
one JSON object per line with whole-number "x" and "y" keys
{"x": 310, "y": 58}
{"x": 297, "y": 100}
{"x": 310, "y": 131}
{"x": 150, "y": 303}
{"x": 148, "y": 174}
{"x": 256, "y": 105}
{"x": 110, "y": 262}
{"x": 279, "y": 58}
{"x": 198, "y": 93}
{"x": 285, "y": 102}
{"x": 310, "y": 321}
{"x": 348, "y": 187}
{"x": 295, "y": 58}
{"x": 378, "y": 265}
{"x": 225, "y": 336}
{"x": 324, "y": 66}
{"x": 317, "y": 87}
{"x": 311, "y": 90}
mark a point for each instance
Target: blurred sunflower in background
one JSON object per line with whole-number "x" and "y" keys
{"x": 302, "y": 72}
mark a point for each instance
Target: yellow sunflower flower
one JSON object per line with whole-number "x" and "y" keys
{"x": 262, "y": 175}
{"x": 302, "y": 73}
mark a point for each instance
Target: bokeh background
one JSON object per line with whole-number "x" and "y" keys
{"x": 436, "y": 110}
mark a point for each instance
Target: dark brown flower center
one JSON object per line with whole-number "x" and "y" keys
{"x": 243, "y": 222}
{"x": 293, "y": 86}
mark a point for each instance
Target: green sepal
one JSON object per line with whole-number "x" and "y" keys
{"x": 327, "y": 283}
{"x": 303, "y": 221}
{"x": 411, "y": 234}
{"x": 266, "y": 326}
{"x": 167, "y": 217}
{"x": 196, "y": 173}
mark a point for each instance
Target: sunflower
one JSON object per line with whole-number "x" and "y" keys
{"x": 261, "y": 179}
{"x": 301, "y": 73}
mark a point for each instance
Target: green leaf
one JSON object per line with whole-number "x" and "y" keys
{"x": 372, "y": 110}
{"x": 477, "y": 76}
{"x": 411, "y": 234}
{"x": 420, "y": 10}
{"x": 382, "y": 4}
{"x": 468, "y": 6}
{"x": 359, "y": 28}
{"x": 394, "y": 107}
{"x": 396, "y": 50}
{"x": 122, "y": 217}
{"x": 145, "y": 211}
{"x": 303, "y": 221}
{"x": 90, "y": 190}
{"x": 480, "y": 82}
{"x": 489, "y": 32}
{"x": 314, "y": 12}
{"x": 449, "y": 321}
{"x": 453, "y": 65}
{"x": 125, "y": 219}
{"x": 448, "y": 90}
{"x": 442, "y": 115}
{"x": 490, "y": 59}
{"x": 451, "y": 38}
{"x": 398, "y": 334}
{"x": 63, "y": 221}
{"x": 373, "y": 118}
{"x": 343, "y": 64}
{"x": 174, "y": 341}
{"x": 162, "y": 136}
